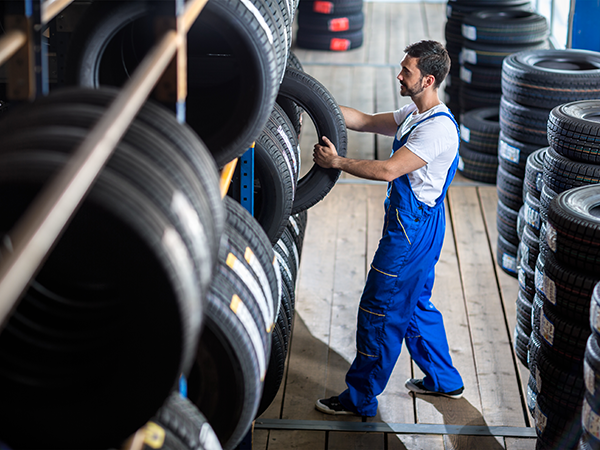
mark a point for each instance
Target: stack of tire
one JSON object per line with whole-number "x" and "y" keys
{"x": 112, "y": 319}
{"x": 571, "y": 269}
{"x": 152, "y": 237}
{"x": 490, "y": 36}
{"x": 456, "y": 11}
{"x": 533, "y": 83}
{"x": 478, "y": 153}
{"x": 590, "y": 416}
{"x": 334, "y": 25}
{"x": 527, "y": 232}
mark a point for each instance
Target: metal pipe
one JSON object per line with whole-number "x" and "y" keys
{"x": 51, "y": 8}
{"x": 190, "y": 13}
{"x": 226, "y": 176}
{"x": 10, "y": 43}
{"x": 44, "y": 220}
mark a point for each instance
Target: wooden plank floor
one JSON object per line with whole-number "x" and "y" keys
{"x": 476, "y": 298}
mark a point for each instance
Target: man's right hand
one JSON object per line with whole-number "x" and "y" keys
{"x": 325, "y": 155}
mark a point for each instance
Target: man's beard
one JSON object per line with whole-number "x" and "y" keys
{"x": 416, "y": 89}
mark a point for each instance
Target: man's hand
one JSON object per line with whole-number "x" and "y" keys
{"x": 325, "y": 155}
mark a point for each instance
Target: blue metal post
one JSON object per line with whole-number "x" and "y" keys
{"x": 586, "y": 16}
{"x": 247, "y": 180}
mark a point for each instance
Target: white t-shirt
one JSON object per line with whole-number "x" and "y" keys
{"x": 436, "y": 142}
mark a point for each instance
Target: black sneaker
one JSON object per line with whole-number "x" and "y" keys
{"x": 332, "y": 405}
{"x": 417, "y": 386}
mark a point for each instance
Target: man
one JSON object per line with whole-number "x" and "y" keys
{"x": 395, "y": 304}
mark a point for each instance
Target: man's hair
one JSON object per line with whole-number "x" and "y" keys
{"x": 433, "y": 59}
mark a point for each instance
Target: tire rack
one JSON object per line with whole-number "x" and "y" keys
{"x": 165, "y": 64}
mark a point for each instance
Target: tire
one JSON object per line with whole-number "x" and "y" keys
{"x": 184, "y": 427}
{"x": 521, "y": 343}
{"x": 339, "y": 7}
{"x": 555, "y": 425}
{"x": 227, "y": 380}
{"x": 481, "y": 77}
{"x": 318, "y": 23}
{"x": 227, "y": 121}
{"x": 507, "y": 256}
{"x": 477, "y": 166}
{"x": 492, "y": 55}
{"x": 546, "y": 198}
{"x": 509, "y": 189}
{"x": 472, "y": 98}
{"x": 513, "y": 154}
{"x": 529, "y": 247}
{"x": 547, "y": 78}
{"x": 479, "y": 128}
{"x": 506, "y": 223}
{"x": 524, "y": 306}
{"x": 53, "y": 386}
{"x": 595, "y": 304}
{"x": 589, "y": 419}
{"x": 574, "y": 228}
{"x": 505, "y": 27}
{"x": 523, "y": 123}
{"x": 314, "y": 98}
{"x": 291, "y": 109}
{"x": 273, "y": 184}
{"x": 532, "y": 213}
{"x": 180, "y": 137}
{"x": 568, "y": 290}
{"x": 326, "y": 40}
{"x": 564, "y": 174}
{"x": 591, "y": 370}
{"x": 526, "y": 277}
{"x": 460, "y": 8}
{"x": 533, "y": 180}
{"x": 573, "y": 132}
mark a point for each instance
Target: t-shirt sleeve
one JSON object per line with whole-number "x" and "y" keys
{"x": 431, "y": 138}
{"x": 401, "y": 114}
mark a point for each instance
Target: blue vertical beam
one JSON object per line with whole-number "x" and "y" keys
{"x": 33, "y": 10}
{"x": 247, "y": 180}
{"x": 584, "y": 32}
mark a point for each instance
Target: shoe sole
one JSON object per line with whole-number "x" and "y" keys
{"x": 416, "y": 390}
{"x": 324, "y": 409}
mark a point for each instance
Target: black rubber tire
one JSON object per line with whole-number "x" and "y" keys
{"x": 472, "y": 98}
{"x": 183, "y": 427}
{"x": 506, "y": 254}
{"x": 481, "y": 77}
{"x": 326, "y": 40}
{"x": 588, "y": 442}
{"x": 297, "y": 227}
{"x": 573, "y": 131}
{"x": 594, "y": 309}
{"x": 283, "y": 128}
{"x": 229, "y": 100}
{"x": 56, "y": 391}
{"x": 480, "y": 128}
{"x": 476, "y": 165}
{"x": 574, "y": 228}
{"x": 273, "y": 184}
{"x": 521, "y": 344}
{"x": 533, "y": 180}
{"x": 529, "y": 247}
{"x": 338, "y": 7}
{"x": 334, "y": 23}
{"x": 233, "y": 352}
{"x": 492, "y": 55}
{"x": 258, "y": 251}
{"x": 322, "y": 108}
{"x": 526, "y": 277}
{"x": 547, "y": 78}
{"x": 460, "y": 8}
{"x": 568, "y": 290}
{"x": 589, "y": 419}
{"x": 275, "y": 370}
{"x": 505, "y": 27}
{"x": 563, "y": 174}
{"x": 290, "y": 108}
{"x": 513, "y": 154}
{"x": 524, "y": 123}
{"x": 524, "y": 306}
{"x": 180, "y": 136}
{"x": 546, "y": 198}
{"x": 510, "y": 189}
{"x": 532, "y": 213}
{"x": 561, "y": 424}
{"x": 591, "y": 370}
{"x": 506, "y": 222}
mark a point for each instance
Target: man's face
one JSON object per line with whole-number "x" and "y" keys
{"x": 410, "y": 77}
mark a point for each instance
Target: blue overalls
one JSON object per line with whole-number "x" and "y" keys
{"x": 395, "y": 304}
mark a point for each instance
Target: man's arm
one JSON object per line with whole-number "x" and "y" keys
{"x": 400, "y": 163}
{"x": 381, "y": 123}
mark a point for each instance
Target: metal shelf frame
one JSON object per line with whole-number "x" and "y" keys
{"x": 33, "y": 236}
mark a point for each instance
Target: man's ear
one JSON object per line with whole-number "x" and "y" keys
{"x": 429, "y": 80}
